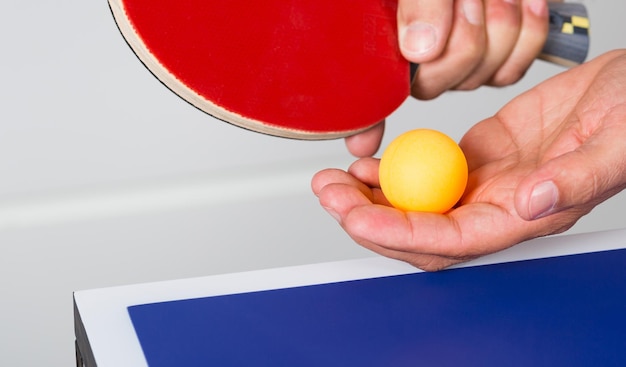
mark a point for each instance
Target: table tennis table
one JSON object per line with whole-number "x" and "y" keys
{"x": 557, "y": 301}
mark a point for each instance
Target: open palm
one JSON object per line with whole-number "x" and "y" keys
{"x": 542, "y": 162}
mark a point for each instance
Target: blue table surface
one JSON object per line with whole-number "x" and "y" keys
{"x": 561, "y": 311}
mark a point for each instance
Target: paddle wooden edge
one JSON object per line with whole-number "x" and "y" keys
{"x": 146, "y": 57}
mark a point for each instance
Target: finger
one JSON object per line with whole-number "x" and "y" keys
{"x": 503, "y": 23}
{"x": 423, "y": 28}
{"x": 463, "y": 53}
{"x": 421, "y": 261}
{"x": 386, "y": 231}
{"x": 347, "y": 182}
{"x": 332, "y": 176}
{"x": 340, "y": 194}
{"x": 366, "y": 171}
{"x": 532, "y": 37}
{"x": 367, "y": 143}
{"x": 339, "y": 199}
{"x": 460, "y": 235}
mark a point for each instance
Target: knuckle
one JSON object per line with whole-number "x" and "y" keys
{"x": 507, "y": 77}
{"x": 504, "y": 13}
{"x": 469, "y": 84}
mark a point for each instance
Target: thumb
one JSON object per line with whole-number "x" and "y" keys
{"x": 579, "y": 179}
{"x": 423, "y": 28}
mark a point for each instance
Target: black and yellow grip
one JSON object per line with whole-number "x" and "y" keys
{"x": 568, "y": 39}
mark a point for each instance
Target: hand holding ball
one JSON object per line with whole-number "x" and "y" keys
{"x": 423, "y": 170}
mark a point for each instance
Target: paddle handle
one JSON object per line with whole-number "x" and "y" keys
{"x": 568, "y": 39}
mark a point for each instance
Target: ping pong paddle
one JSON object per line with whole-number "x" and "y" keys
{"x": 304, "y": 69}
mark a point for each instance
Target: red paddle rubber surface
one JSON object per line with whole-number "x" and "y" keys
{"x": 310, "y": 66}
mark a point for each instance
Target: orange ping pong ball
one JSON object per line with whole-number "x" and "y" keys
{"x": 423, "y": 170}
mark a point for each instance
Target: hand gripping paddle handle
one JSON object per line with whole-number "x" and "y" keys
{"x": 568, "y": 37}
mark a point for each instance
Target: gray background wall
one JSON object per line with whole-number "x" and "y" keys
{"x": 107, "y": 178}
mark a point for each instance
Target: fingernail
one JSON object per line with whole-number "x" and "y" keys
{"x": 473, "y": 11}
{"x": 333, "y": 213}
{"x": 543, "y": 199}
{"x": 538, "y": 7}
{"x": 418, "y": 38}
